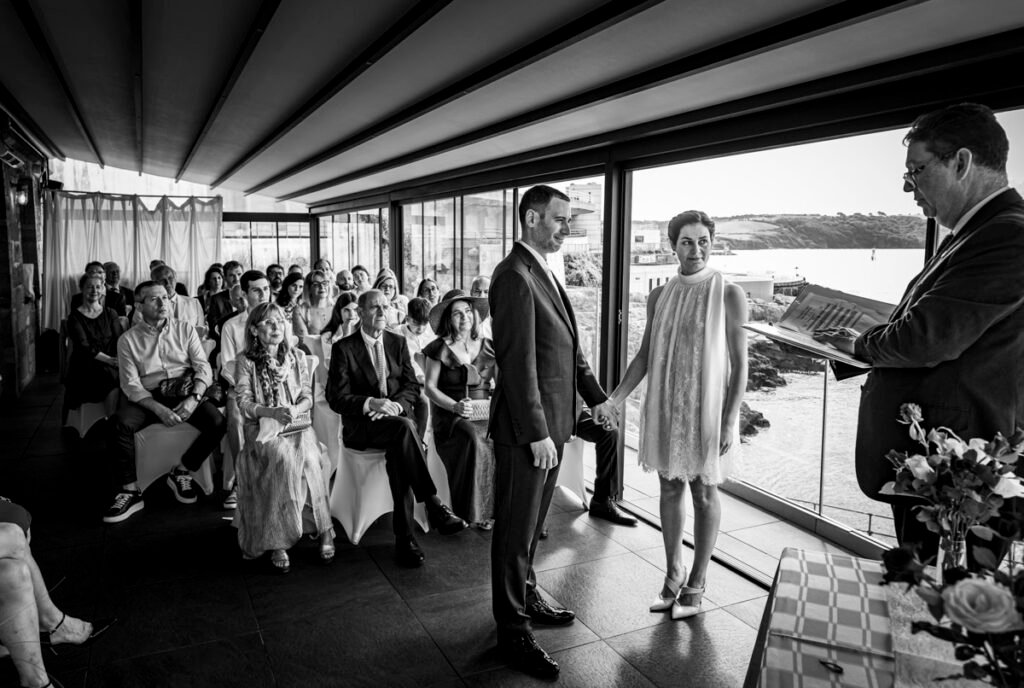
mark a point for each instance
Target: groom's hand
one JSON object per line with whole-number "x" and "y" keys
{"x": 545, "y": 455}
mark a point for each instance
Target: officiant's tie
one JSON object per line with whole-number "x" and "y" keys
{"x": 381, "y": 364}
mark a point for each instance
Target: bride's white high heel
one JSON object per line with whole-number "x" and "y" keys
{"x": 663, "y": 604}
{"x": 693, "y": 596}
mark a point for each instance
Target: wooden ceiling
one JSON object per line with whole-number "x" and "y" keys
{"x": 311, "y": 100}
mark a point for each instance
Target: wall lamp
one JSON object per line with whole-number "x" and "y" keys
{"x": 21, "y": 192}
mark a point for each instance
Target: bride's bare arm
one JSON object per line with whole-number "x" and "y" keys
{"x": 637, "y": 368}
{"x": 736, "y": 342}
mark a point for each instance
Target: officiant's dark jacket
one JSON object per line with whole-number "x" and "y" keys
{"x": 352, "y": 378}
{"x": 954, "y": 344}
{"x": 541, "y": 367}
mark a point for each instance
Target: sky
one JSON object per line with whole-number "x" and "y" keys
{"x": 856, "y": 174}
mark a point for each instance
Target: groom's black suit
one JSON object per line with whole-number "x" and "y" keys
{"x": 541, "y": 369}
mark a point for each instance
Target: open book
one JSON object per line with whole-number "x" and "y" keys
{"x": 817, "y": 307}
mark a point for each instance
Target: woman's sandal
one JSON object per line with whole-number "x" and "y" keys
{"x": 279, "y": 560}
{"x": 694, "y": 596}
{"x": 327, "y": 553}
{"x": 662, "y": 603}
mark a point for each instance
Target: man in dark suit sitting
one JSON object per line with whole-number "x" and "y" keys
{"x": 120, "y": 298}
{"x": 221, "y": 306}
{"x": 372, "y": 385}
{"x": 955, "y": 343}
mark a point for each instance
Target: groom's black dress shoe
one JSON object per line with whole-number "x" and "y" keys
{"x": 408, "y": 553}
{"x": 444, "y": 520}
{"x": 609, "y": 511}
{"x": 543, "y": 613}
{"x": 523, "y": 653}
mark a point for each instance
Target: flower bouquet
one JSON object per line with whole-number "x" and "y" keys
{"x": 963, "y": 485}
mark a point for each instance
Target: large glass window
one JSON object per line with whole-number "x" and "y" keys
{"x": 259, "y": 244}
{"x": 357, "y": 238}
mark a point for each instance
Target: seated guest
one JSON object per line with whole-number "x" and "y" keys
{"x": 220, "y": 304}
{"x": 429, "y": 290}
{"x": 178, "y": 287}
{"x": 256, "y": 289}
{"x": 372, "y": 386}
{"x": 28, "y": 617}
{"x": 311, "y": 315}
{"x": 237, "y": 306}
{"x": 344, "y": 321}
{"x": 280, "y": 478}
{"x": 93, "y": 331}
{"x": 290, "y": 295}
{"x": 179, "y": 307}
{"x": 387, "y": 283}
{"x": 118, "y": 297}
{"x": 360, "y": 279}
{"x": 213, "y": 283}
{"x": 275, "y": 273}
{"x": 155, "y": 360}
{"x": 117, "y": 302}
{"x": 344, "y": 281}
{"x": 480, "y": 288}
{"x": 460, "y": 370}
{"x": 417, "y": 332}
{"x": 295, "y": 269}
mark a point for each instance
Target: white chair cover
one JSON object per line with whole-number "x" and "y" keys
{"x": 85, "y": 416}
{"x": 570, "y": 475}
{"x": 326, "y": 423}
{"x": 158, "y": 449}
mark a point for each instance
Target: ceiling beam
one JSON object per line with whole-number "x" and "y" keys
{"x": 561, "y": 38}
{"x": 903, "y": 83}
{"x": 35, "y": 33}
{"x": 17, "y": 113}
{"x": 135, "y": 22}
{"x": 409, "y": 22}
{"x": 256, "y": 31}
{"x": 822, "y": 21}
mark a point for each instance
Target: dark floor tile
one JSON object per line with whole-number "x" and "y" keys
{"x": 238, "y": 661}
{"x": 312, "y": 589}
{"x": 589, "y": 666}
{"x": 363, "y": 642}
{"x": 632, "y": 538}
{"x": 749, "y": 612}
{"x": 461, "y": 622}
{"x": 173, "y": 614}
{"x": 724, "y": 586}
{"x": 68, "y": 678}
{"x": 163, "y": 556}
{"x": 571, "y": 541}
{"x": 708, "y": 650}
{"x": 610, "y": 596}
{"x": 452, "y": 562}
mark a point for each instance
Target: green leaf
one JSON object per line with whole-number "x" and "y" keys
{"x": 984, "y": 558}
{"x": 983, "y": 532}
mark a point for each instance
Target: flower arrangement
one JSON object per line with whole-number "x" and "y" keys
{"x": 963, "y": 485}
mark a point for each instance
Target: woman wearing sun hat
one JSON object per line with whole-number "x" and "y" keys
{"x": 460, "y": 370}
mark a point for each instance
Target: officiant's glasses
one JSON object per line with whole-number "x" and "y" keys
{"x": 910, "y": 178}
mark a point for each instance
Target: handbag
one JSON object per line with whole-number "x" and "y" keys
{"x": 300, "y": 422}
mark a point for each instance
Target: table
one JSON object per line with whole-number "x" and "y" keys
{"x": 829, "y": 622}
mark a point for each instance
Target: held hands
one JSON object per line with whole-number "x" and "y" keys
{"x": 841, "y": 338}
{"x": 380, "y": 408}
{"x": 463, "y": 408}
{"x": 545, "y": 455}
{"x": 607, "y": 415}
{"x": 282, "y": 414}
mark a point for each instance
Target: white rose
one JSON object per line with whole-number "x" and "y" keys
{"x": 919, "y": 467}
{"x": 1009, "y": 486}
{"x": 982, "y": 606}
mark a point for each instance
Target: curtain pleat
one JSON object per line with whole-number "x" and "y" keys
{"x": 129, "y": 230}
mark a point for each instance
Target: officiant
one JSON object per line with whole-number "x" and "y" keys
{"x": 955, "y": 342}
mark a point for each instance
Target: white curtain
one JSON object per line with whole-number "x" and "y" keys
{"x": 129, "y": 230}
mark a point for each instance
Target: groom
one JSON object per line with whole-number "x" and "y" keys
{"x": 541, "y": 370}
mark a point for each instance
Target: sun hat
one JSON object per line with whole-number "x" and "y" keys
{"x": 477, "y": 303}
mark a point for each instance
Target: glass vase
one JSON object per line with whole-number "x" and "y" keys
{"x": 952, "y": 555}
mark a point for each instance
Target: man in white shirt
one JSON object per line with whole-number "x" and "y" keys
{"x": 183, "y": 308}
{"x": 256, "y": 288}
{"x": 158, "y": 349}
{"x": 417, "y": 333}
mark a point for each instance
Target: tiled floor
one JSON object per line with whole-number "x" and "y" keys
{"x": 192, "y": 613}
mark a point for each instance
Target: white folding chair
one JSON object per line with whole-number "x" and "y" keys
{"x": 85, "y": 416}
{"x": 326, "y": 423}
{"x": 158, "y": 449}
{"x": 570, "y": 475}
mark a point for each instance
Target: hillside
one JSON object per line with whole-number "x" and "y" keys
{"x": 821, "y": 231}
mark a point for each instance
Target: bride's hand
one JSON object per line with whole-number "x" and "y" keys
{"x": 726, "y": 441}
